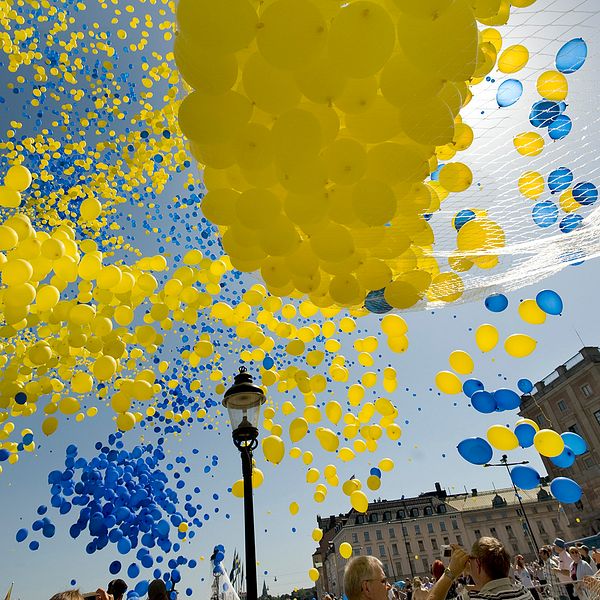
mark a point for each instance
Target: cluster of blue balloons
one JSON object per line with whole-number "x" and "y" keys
{"x": 489, "y": 402}
{"x": 217, "y": 558}
{"x": 550, "y": 114}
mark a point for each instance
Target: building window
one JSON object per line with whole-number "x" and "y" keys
{"x": 392, "y": 532}
{"x": 597, "y": 415}
{"x": 400, "y": 514}
{"x": 459, "y": 539}
{"x": 421, "y": 546}
{"x": 515, "y": 547}
{"x": 355, "y": 538}
{"x": 395, "y": 549}
{"x": 556, "y": 525}
{"x": 477, "y": 533}
{"x": 575, "y": 429}
{"x": 398, "y": 569}
{"x": 586, "y": 389}
{"x": 386, "y": 569}
{"x": 378, "y": 534}
{"x": 414, "y": 512}
{"x": 454, "y": 524}
{"x": 434, "y": 544}
{"x": 404, "y": 530}
{"x": 446, "y": 540}
{"x": 588, "y": 462}
{"x": 408, "y": 548}
{"x": 367, "y": 536}
{"x": 356, "y": 551}
{"x": 381, "y": 550}
{"x": 418, "y": 529}
{"x": 493, "y": 532}
{"x": 443, "y": 526}
{"x": 441, "y": 509}
{"x": 360, "y": 519}
{"x": 428, "y": 511}
{"x": 561, "y": 405}
{"x": 541, "y": 527}
{"x": 430, "y": 527}
{"x": 369, "y": 550}
{"x": 509, "y": 531}
{"x": 387, "y": 515}
{"x": 373, "y": 518}
{"x": 425, "y": 563}
{"x": 579, "y": 505}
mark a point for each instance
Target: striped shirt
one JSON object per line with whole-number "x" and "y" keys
{"x": 501, "y": 589}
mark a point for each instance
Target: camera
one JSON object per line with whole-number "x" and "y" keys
{"x": 446, "y": 551}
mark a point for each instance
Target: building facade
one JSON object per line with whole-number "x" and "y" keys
{"x": 569, "y": 400}
{"x": 407, "y": 534}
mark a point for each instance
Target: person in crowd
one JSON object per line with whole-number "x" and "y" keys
{"x": 409, "y": 590}
{"x": 596, "y": 557}
{"x": 157, "y": 590}
{"x": 489, "y": 566}
{"x": 115, "y": 591}
{"x": 585, "y": 553}
{"x": 68, "y": 595}
{"x": 547, "y": 573}
{"x": 579, "y": 570}
{"x": 523, "y": 576}
{"x": 563, "y": 570}
{"x": 419, "y": 590}
{"x": 365, "y": 579}
{"x": 437, "y": 570}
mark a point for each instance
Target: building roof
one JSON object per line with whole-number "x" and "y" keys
{"x": 484, "y": 499}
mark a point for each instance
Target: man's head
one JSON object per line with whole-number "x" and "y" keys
{"x": 364, "y": 579}
{"x": 559, "y": 545}
{"x": 117, "y": 588}
{"x": 489, "y": 560}
{"x": 545, "y": 553}
{"x": 575, "y": 554}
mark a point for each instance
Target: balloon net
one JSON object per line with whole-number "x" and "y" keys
{"x": 531, "y": 253}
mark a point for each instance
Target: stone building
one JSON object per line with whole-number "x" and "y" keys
{"x": 407, "y": 534}
{"x": 569, "y": 400}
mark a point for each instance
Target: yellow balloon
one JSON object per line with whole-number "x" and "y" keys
{"x": 519, "y": 345}
{"x": 333, "y": 410}
{"x": 552, "y": 85}
{"x": 273, "y": 449}
{"x": 345, "y": 550}
{"x": 448, "y": 382}
{"x": 461, "y": 362}
{"x": 8, "y": 238}
{"x": 531, "y": 184}
{"x": 548, "y": 442}
{"x": 394, "y": 325}
{"x": 312, "y": 475}
{"x": 529, "y": 143}
{"x": 16, "y": 272}
{"x": 373, "y": 482}
{"x": 486, "y": 337}
{"x": 327, "y": 438}
{"x": 359, "y": 501}
{"x": 513, "y": 59}
{"x": 455, "y": 177}
{"x": 394, "y": 431}
{"x": 9, "y": 198}
{"x": 317, "y": 534}
{"x": 298, "y": 429}
{"x": 126, "y": 421}
{"x": 49, "y": 425}
{"x": 18, "y": 178}
{"x": 294, "y": 508}
{"x": 567, "y": 202}
{"x": 528, "y": 422}
{"x": 313, "y": 574}
{"x": 104, "y": 368}
{"x": 386, "y": 464}
{"x": 502, "y": 438}
{"x": 531, "y": 313}
{"x": 237, "y": 489}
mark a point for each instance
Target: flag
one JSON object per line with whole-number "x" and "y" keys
{"x": 235, "y": 567}
{"x": 8, "y": 594}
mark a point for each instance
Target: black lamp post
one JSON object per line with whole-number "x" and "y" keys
{"x": 504, "y": 463}
{"x": 243, "y": 401}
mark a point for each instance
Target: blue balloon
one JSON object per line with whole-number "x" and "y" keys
{"x": 565, "y": 459}
{"x": 585, "y": 193}
{"x": 544, "y": 112}
{"x": 565, "y": 490}
{"x": 470, "y": 386}
{"x": 496, "y": 302}
{"x": 375, "y": 471}
{"x": 268, "y": 362}
{"x": 462, "y": 217}
{"x": 475, "y": 450}
{"x": 376, "y": 303}
{"x": 545, "y": 213}
{"x": 483, "y": 402}
{"x": 509, "y": 92}
{"x": 575, "y": 442}
{"x": 526, "y": 478}
{"x": 22, "y": 534}
{"x": 4, "y": 454}
{"x": 570, "y": 223}
{"x": 550, "y": 302}
{"x": 560, "y": 179}
{"x": 571, "y": 56}
{"x": 507, "y": 399}
{"x": 560, "y": 127}
{"x": 525, "y": 434}
{"x": 133, "y": 571}
{"x": 114, "y": 567}
{"x": 525, "y": 386}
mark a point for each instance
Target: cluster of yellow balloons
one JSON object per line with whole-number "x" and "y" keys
{"x": 316, "y": 124}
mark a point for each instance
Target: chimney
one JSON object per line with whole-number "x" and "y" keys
{"x": 438, "y": 487}
{"x": 474, "y": 491}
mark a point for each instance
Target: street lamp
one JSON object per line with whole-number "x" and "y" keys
{"x": 504, "y": 463}
{"x": 243, "y": 401}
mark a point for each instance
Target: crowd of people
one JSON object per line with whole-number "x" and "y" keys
{"x": 157, "y": 590}
{"x": 485, "y": 573}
